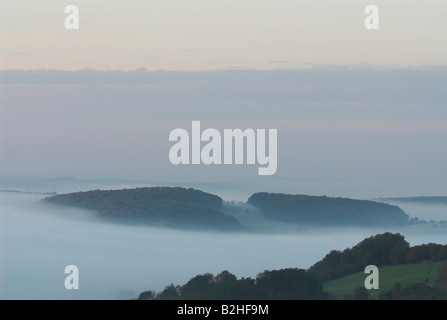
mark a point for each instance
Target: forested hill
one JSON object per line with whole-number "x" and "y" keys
{"x": 159, "y": 206}
{"x": 380, "y": 250}
{"x": 322, "y": 210}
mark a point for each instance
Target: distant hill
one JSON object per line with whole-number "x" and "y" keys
{"x": 184, "y": 208}
{"x": 322, "y": 210}
{"x": 421, "y": 200}
{"x": 159, "y": 206}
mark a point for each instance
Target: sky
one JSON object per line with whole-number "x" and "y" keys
{"x": 358, "y": 112}
{"x": 357, "y": 127}
{"x": 192, "y": 35}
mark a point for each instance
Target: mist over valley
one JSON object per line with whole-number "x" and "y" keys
{"x": 118, "y": 261}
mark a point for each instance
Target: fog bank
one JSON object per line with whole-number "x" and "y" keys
{"x": 119, "y": 261}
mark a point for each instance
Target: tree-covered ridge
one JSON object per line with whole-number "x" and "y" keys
{"x": 295, "y": 284}
{"x": 194, "y": 209}
{"x": 380, "y": 250}
{"x": 161, "y": 206}
{"x": 322, "y": 210}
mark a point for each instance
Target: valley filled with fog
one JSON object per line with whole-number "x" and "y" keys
{"x": 118, "y": 261}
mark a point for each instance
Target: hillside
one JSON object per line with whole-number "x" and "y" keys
{"x": 405, "y": 275}
{"x": 158, "y": 206}
{"x": 418, "y": 272}
{"x": 322, "y": 210}
{"x": 380, "y": 250}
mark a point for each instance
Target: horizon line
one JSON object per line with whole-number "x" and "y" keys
{"x": 308, "y": 67}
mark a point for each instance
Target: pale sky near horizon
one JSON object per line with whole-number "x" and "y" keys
{"x": 221, "y": 34}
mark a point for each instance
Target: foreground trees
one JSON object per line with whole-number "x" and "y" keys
{"x": 288, "y": 284}
{"x": 299, "y": 284}
{"x": 379, "y": 250}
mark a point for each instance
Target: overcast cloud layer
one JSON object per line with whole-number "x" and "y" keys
{"x": 334, "y": 124}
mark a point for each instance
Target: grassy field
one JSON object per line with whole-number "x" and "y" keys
{"x": 405, "y": 274}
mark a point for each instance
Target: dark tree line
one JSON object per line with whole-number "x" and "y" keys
{"x": 194, "y": 209}
{"x": 160, "y": 206}
{"x": 322, "y": 210}
{"x": 294, "y": 284}
{"x": 380, "y": 250}
{"x": 414, "y": 291}
{"x": 284, "y": 284}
